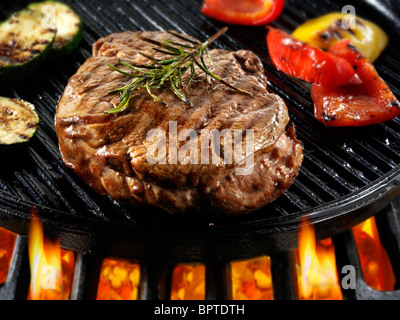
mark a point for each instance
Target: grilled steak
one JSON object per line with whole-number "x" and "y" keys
{"x": 110, "y": 152}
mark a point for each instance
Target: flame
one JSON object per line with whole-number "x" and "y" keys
{"x": 317, "y": 273}
{"x": 252, "y": 280}
{"x": 188, "y": 282}
{"x": 119, "y": 280}
{"x": 51, "y": 267}
{"x": 375, "y": 264}
{"x": 7, "y": 242}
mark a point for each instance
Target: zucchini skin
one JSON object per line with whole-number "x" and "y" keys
{"x": 62, "y": 47}
{"x": 14, "y": 72}
{"x": 19, "y": 121}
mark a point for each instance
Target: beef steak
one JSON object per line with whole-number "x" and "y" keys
{"x": 110, "y": 152}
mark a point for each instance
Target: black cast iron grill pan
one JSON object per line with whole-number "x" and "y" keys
{"x": 347, "y": 176}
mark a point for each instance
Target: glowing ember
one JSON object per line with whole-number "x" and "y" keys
{"x": 316, "y": 265}
{"x": 119, "y": 280}
{"x": 188, "y": 282}
{"x": 51, "y": 267}
{"x": 7, "y": 242}
{"x": 251, "y": 280}
{"x": 375, "y": 264}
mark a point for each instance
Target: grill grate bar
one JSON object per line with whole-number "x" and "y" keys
{"x": 145, "y": 15}
{"x": 284, "y": 287}
{"x": 86, "y": 277}
{"x": 193, "y": 19}
{"x": 312, "y": 180}
{"x": 169, "y": 21}
{"x": 155, "y": 281}
{"x": 347, "y": 254}
{"x": 218, "y": 281}
{"x": 388, "y": 224}
{"x": 92, "y": 15}
{"x": 16, "y": 285}
{"x": 307, "y": 193}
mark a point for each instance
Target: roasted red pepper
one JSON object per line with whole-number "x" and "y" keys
{"x": 244, "y": 12}
{"x": 355, "y": 105}
{"x": 301, "y": 60}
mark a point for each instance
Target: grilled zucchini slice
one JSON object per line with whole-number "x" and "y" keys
{"x": 68, "y": 24}
{"x": 24, "y": 44}
{"x": 18, "y": 121}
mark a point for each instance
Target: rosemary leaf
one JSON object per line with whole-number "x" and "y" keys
{"x": 177, "y": 35}
{"x": 177, "y": 92}
{"x": 161, "y": 44}
{"x": 209, "y": 57}
{"x": 169, "y": 61}
{"x": 193, "y": 73}
{"x": 180, "y": 76}
{"x": 149, "y": 57}
{"x": 151, "y": 94}
{"x": 180, "y": 44}
{"x": 166, "y": 52}
{"x": 122, "y": 72}
{"x": 126, "y": 64}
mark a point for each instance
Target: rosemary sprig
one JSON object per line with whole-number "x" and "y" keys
{"x": 154, "y": 75}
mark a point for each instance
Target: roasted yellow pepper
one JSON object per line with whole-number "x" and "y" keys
{"x": 325, "y": 31}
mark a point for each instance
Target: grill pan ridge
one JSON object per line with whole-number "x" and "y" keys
{"x": 347, "y": 175}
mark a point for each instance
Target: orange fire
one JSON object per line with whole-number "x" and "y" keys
{"x": 375, "y": 264}
{"x": 188, "y": 282}
{"x": 316, "y": 263}
{"x": 51, "y": 267}
{"x": 252, "y": 280}
{"x": 119, "y": 280}
{"x": 7, "y": 242}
